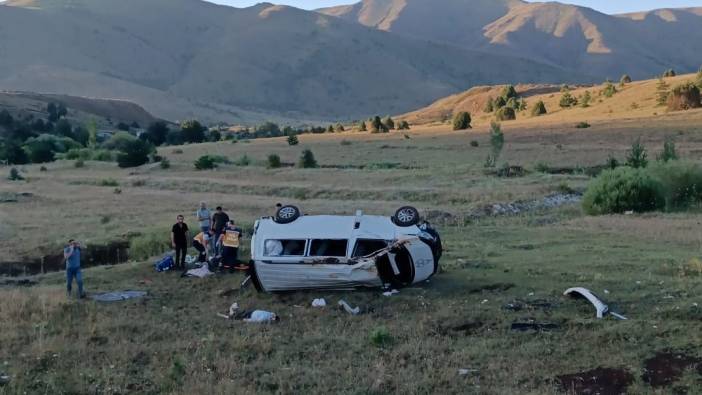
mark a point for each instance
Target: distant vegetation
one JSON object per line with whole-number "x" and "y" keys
{"x": 507, "y": 104}
{"x": 461, "y": 121}
{"x": 684, "y": 97}
{"x": 538, "y": 109}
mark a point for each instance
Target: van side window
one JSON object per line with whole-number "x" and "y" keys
{"x": 284, "y": 248}
{"x": 368, "y": 246}
{"x": 328, "y": 248}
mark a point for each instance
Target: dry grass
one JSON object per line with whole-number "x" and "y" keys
{"x": 173, "y": 342}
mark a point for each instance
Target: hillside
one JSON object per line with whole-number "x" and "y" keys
{"x": 190, "y": 58}
{"x": 635, "y": 100}
{"x": 81, "y": 108}
{"x": 576, "y": 38}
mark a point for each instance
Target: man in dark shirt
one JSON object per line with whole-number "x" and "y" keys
{"x": 179, "y": 241}
{"x": 219, "y": 222}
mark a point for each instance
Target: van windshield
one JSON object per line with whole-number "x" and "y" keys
{"x": 368, "y": 246}
{"x": 325, "y": 247}
{"x": 284, "y": 248}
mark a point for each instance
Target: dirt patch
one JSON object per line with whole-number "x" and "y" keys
{"x": 602, "y": 381}
{"x": 666, "y": 367}
{"x": 497, "y": 287}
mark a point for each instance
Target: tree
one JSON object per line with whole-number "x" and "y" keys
{"x": 404, "y": 125}
{"x": 389, "y": 123}
{"x": 378, "y": 126}
{"x": 489, "y": 106}
{"x": 15, "y": 175}
{"x": 508, "y": 92}
{"x": 625, "y": 80}
{"x": 521, "y": 104}
{"x": 119, "y": 141}
{"x": 497, "y": 142}
{"x": 330, "y": 129}
{"x": 61, "y": 111}
{"x": 135, "y": 153}
{"x": 362, "y": 127}
{"x": 636, "y": 157}
{"x": 669, "y": 152}
{"x": 156, "y": 133}
{"x": 505, "y": 114}
{"x": 81, "y": 135}
{"x": 92, "y": 132}
{"x": 215, "y": 135}
{"x": 461, "y": 121}
{"x": 123, "y": 126}
{"x": 669, "y": 73}
{"x": 512, "y": 103}
{"x": 205, "y": 162}
{"x": 567, "y": 100}
{"x": 12, "y": 153}
{"x": 609, "y": 90}
{"x": 63, "y": 128}
{"x": 499, "y": 103}
{"x": 274, "y": 161}
{"x": 293, "y": 140}
{"x": 662, "y": 92}
{"x": 539, "y": 109}
{"x": 40, "y": 151}
{"x": 585, "y": 99}
{"x": 340, "y": 127}
{"x": 307, "y": 160}
{"x": 192, "y": 131}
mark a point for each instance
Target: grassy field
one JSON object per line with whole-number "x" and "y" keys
{"x": 415, "y": 342}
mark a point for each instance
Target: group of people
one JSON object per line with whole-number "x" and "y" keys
{"x": 218, "y": 237}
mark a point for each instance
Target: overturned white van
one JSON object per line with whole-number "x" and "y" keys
{"x": 296, "y": 252}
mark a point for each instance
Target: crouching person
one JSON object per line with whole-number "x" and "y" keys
{"x": 201, "y": 242}
{"x": 230, "y": 240}
{"x": 71, "y": 254}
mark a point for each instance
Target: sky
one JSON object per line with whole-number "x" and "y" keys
{"x": 606, "y": 6}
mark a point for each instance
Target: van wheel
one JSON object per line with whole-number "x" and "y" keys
{"x": 287, "y": 214}
{"x": 406, "y": 216}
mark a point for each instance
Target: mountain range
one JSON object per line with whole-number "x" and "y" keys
{"x": 193, "y": 59}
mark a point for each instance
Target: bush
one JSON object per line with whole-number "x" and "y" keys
{"x": 79, "y": 163}
{"x": 474, "y": 143}
{"x": 669, "y": 152}
{"x": 489, "y": 106}
{"x": 567, "y": 100}
{"x": 637, "y": 156}
{"x": 582, "y": 125}
{"x": 377, "y": 125}
{"x": 88, "y": 154}
{"x": 497, "y": 142}
{"x": 669, "y": 73}
{"x": 274, "y": 161}
{"x": 389, "y": 123}
{"x": 345, "y": 142}
{"x": 380, "y": 337}
{"x": 15, "y": 175}
{"x": 625, "y": 80}
{"x": 684, "y": 97}
{"x": 177, "y": 151}
{"x": 136, "y": 153}
{"x": 214, "y": 136}
{"x": 542, "y": 167}
{"x": 539, "y": 109}
{"x": 243, "y": 161}
{"x": 505, "y": 114}
{"x": 662, "y": 92}
{"x": 681, "y": 183}
{"x": 461, "y": 121}
{"x": 623, "y": 189}
{"x": 307, "y": 160}
{"x": 609, "y": 90}
{"x": 192, "y": 131}
{"x": 147, "y": 245}
{"x": 165, "y": 163}
{"x": 585, "y": 99}
{"x": 108, "y": 182}
{"x": 119, "y": 141}
{"x": 205, "y": 162}
{"x": 293, "y": 140}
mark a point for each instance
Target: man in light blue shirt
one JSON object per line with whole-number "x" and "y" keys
{"x": 203, "y": 217}
{"x": 71, "y": 254}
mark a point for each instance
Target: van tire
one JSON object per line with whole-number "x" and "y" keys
{"x": 406, "y": 216}
{"x": 287, "y": 214}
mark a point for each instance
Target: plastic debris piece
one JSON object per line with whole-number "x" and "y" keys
{"x": 319, "y": 302}
{"x": 352, "y": 311}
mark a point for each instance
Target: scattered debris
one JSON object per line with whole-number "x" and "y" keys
{"x": 603, "y": 381}
{"x": 522, "y": 304}
{"x": 261, "y": 316}
{"x": 118, "y": 296}
{"x": 666, "y": 367}
{"x": 532, "y": 325}
{"x": 464, "y": 372}
{"x": 201, "y": 272}
{"x": 319, "y": 302}
{"x": 600, "y": 307}
{"x": 392, "y": 292}
{"x": 352, "y": 311}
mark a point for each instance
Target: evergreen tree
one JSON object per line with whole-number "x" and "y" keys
{"x": 362, "y": 127}
{"x": 538, "y": 109}
{"x": 461, "y": 121}
{"x": 669, "y": 73}
{"x": 404, "y": 125}
{"x": 378, "y": 126}
{"x": 340, "y": 127}
{"x": 585, "y": 99}
{"x": 389, "y": 123}
{"x": 135, "y": 153}
{"x": 669, "y": 152}
{"x": 636, "y": 157}
{"x": 505, "y": 113}
{"x": 192, "y": 131}
{"x": 499, "y": 103}
{"x": 307, "y": 160}
{"x": 293, "y": 140}
{"x": 508, "y": 92}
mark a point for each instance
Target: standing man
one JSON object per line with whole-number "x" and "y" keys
{"x": 220, "y": 219}
{"x": 230, "y": 241}
{"x": 179, "y": 241}
{"x": 71, "y": 254}
{"x": 203, "y": 217}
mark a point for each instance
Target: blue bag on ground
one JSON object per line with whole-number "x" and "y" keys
{"x": 164, "y": 264}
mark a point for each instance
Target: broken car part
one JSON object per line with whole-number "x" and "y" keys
{"x": 601, "y": 308}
